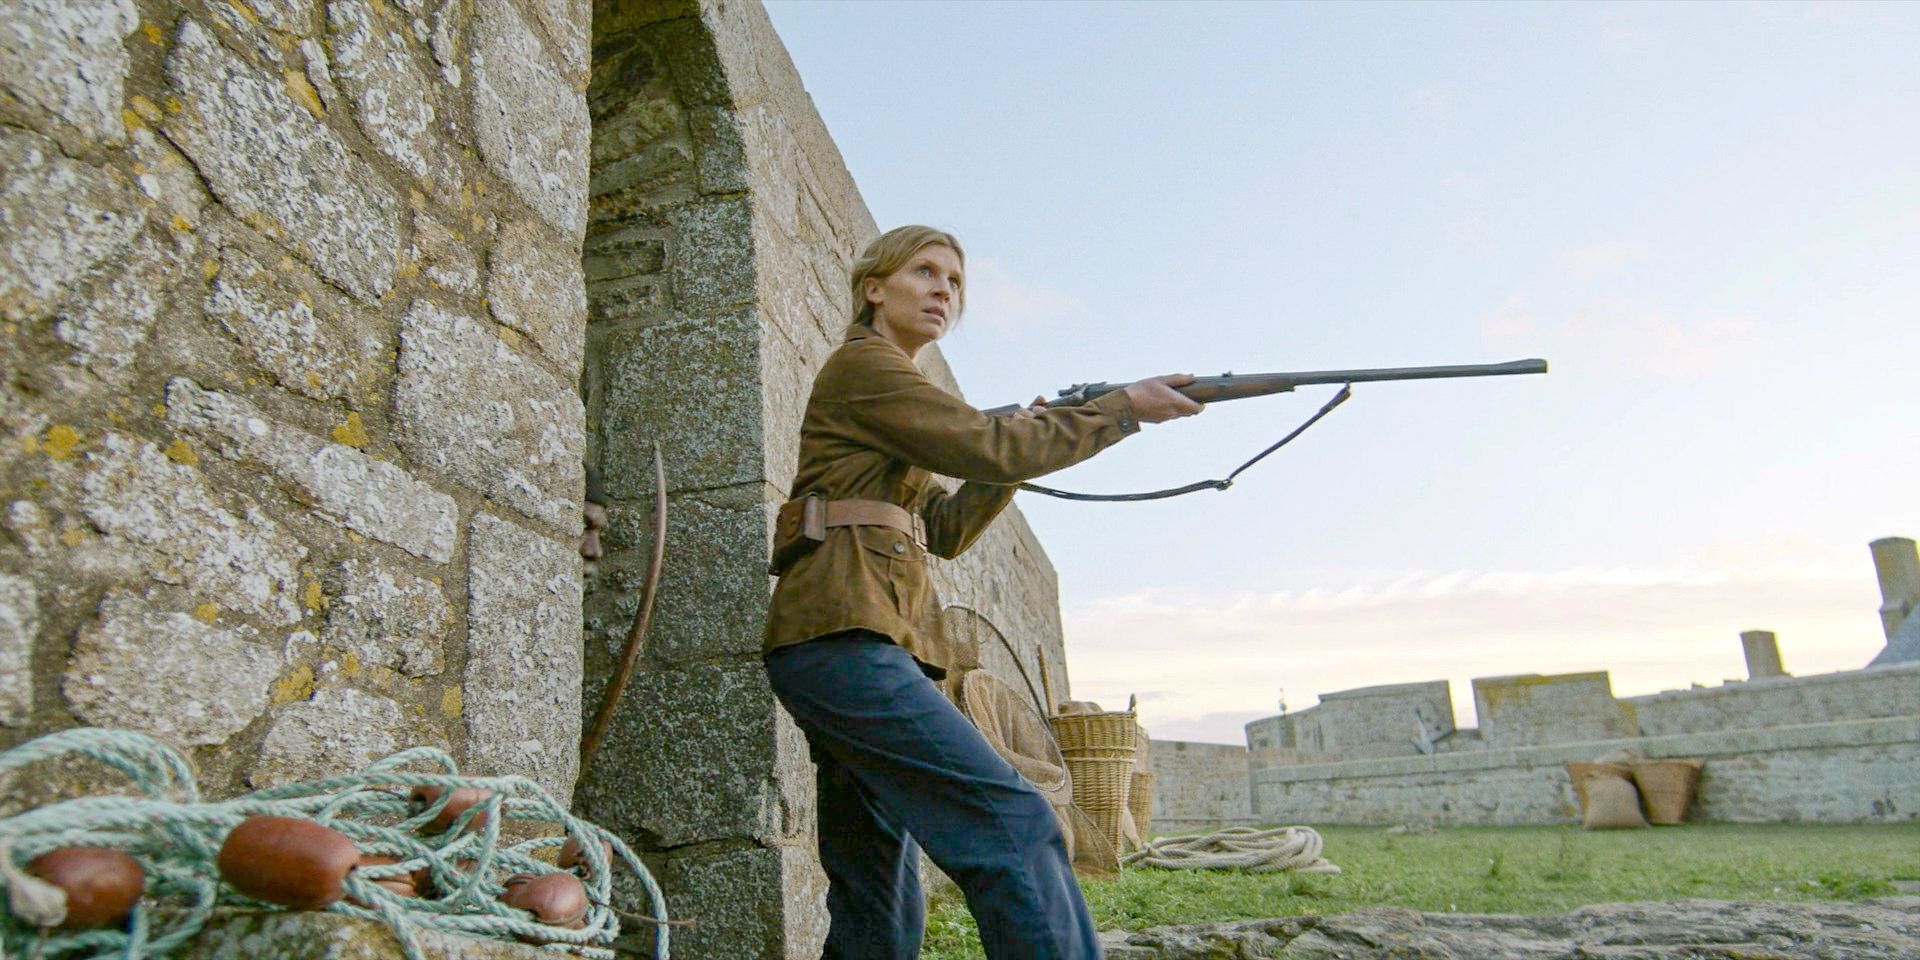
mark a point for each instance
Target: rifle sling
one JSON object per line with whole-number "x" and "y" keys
{"x": 1338, "y": 399}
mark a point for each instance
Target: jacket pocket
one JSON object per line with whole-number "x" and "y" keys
{"x": 905, "y": 566}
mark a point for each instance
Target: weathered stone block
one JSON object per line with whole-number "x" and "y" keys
{"x": 535, "y": 286}
{"x": 713, "y": 256}
{"x": 713, "y": 586}
{"x": 565, "y": 23}
{"x": 720, "y": 719}
{"x": 108, "y": 329}
{"x": 628, "y": 252}
{"x": 763, "y": 902}
{"x": 66, "y": 57}
{"x": 693, "y": 385}
{"x": 19, "y": 623}
{"x": 60, "y": 221}
{"x": 336, "y": 732}
{"x": 281, "y": 169}
{"x": 246, "y": 563}
{"x": 311, "y": 935}
{"x": 522, "y": 684}
{"x": 636, "y": 114}
{"x": 722, "y": 150}
{"x": 134, "y": 665}
{"x": 290, "y": 16}
{"x": 314, "y": 343}
{"x": 443, "y": 257}
{"x": 346, "y": 486}
{"x": 392, "y": 101}
{"x": 530, "y": 120}
{"x": 388, "y": 617}
{"x": 474, "y": 409}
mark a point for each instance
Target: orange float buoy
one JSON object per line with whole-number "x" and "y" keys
{"x": 555, "y": 899}
{"x": 463, "y": 798}
{"x": 101, "y": 885}
{"x": 286, "y": 860}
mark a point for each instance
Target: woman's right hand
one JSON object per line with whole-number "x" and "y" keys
{"x": 1156, "y": 401}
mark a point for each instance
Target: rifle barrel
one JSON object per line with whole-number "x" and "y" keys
{"x": 1510, "y": 368}
{"x": 1237, "y": 386}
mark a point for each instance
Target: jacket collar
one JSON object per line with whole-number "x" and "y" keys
{"x": 859, "y": 331}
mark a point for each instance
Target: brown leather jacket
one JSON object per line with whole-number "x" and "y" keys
{"x": 877, "y": 429}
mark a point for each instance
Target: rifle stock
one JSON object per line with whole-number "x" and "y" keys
{"x": 1230, "y": 386}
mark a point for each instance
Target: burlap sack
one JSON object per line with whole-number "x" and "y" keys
{"x": 1667, "y": 788}
{"x": 1577, "y": 772}
{"x": 1612, "y": 802}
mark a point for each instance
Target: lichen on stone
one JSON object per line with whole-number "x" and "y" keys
{"x": 336, "y": 731}
{"x": 60, "y": 222}
{"x": 108, "y": 329}
{"x": 388, "y": 617}
{"x": 315, "y": 343}
{"x": 521, "y": 691}
{"x": 392, "y": 101}
{"x": 443, "y": 257}
{"x": 279, "y": 168}
{"x": 19, "y": 623}
{"x": 132, "y": 491}
{"x": 133, "y": 663}
{"x": 67, "y": 57}
{"x": 535, "y": 286}
{"x": 530, "y": 121}
{"x": 472, "y": 408}
{"x": 345, "y": 485}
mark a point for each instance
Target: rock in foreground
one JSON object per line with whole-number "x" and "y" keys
{"x": 1885, "y": 929}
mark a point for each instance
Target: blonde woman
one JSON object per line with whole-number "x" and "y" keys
{"x": 853, "y": 638}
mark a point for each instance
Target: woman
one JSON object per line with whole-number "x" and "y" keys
{"x": 853, "y": 634}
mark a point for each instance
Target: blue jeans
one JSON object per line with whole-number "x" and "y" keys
{"x": 899, "y": 764}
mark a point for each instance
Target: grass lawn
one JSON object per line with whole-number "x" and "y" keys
{"x": 1503, "y": 870}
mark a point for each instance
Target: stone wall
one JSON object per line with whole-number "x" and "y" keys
{"x": 290, "y": 299}
{"x": 1530, "y": 709}
{"x": 722, "y": 224}
{"x": 1850, "y": 695}
{"x": 1393, "y": 720}
{"x": 1199, "y": 786}
{"x": 1858, "y": 771}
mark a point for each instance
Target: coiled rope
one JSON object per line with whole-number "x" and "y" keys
{"x": 176, "y": 838}
{"x": 1237, "y": 848}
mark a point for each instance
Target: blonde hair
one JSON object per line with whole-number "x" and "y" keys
{"x": 889, "y": 253}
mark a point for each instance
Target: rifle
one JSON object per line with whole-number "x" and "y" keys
{"x": 1229, "y": 386}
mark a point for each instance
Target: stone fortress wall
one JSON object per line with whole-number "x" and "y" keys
{"x": 1839, "y": 747}
{"x": 320, "y": 320}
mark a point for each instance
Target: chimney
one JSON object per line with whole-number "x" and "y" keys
{"x": 1763, "y": 654}
{"x": 1897, "y": 562}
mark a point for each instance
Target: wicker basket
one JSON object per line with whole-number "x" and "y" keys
{"x": 1100, "y": 788}
{"x": 1114, "y": 730}
{"x": 1667, "y": 788}
{"x": 1140, "y": 803}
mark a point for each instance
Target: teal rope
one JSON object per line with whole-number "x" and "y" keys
{"x": 176, "y": 837}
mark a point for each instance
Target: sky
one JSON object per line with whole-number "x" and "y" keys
{"x": 1705, "y": 216}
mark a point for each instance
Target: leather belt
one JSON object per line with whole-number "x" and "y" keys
{"x": 877, "y": 513}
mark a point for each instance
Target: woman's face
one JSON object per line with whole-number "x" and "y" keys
{"x": 914, "y": 305}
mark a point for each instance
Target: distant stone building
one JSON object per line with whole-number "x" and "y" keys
{"x": 1839, "y": 747}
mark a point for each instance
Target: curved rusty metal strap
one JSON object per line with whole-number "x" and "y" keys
{"x": 601, "y": 717}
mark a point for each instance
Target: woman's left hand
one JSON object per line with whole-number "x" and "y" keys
{"x": 1028, "y": 412}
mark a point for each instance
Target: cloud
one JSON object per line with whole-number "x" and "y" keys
{"x": 1624, "y": 337}
{"x": 1216, "y": 661}
{"x": 1596, "y": 259}
{"x": 1006, "y": 304}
